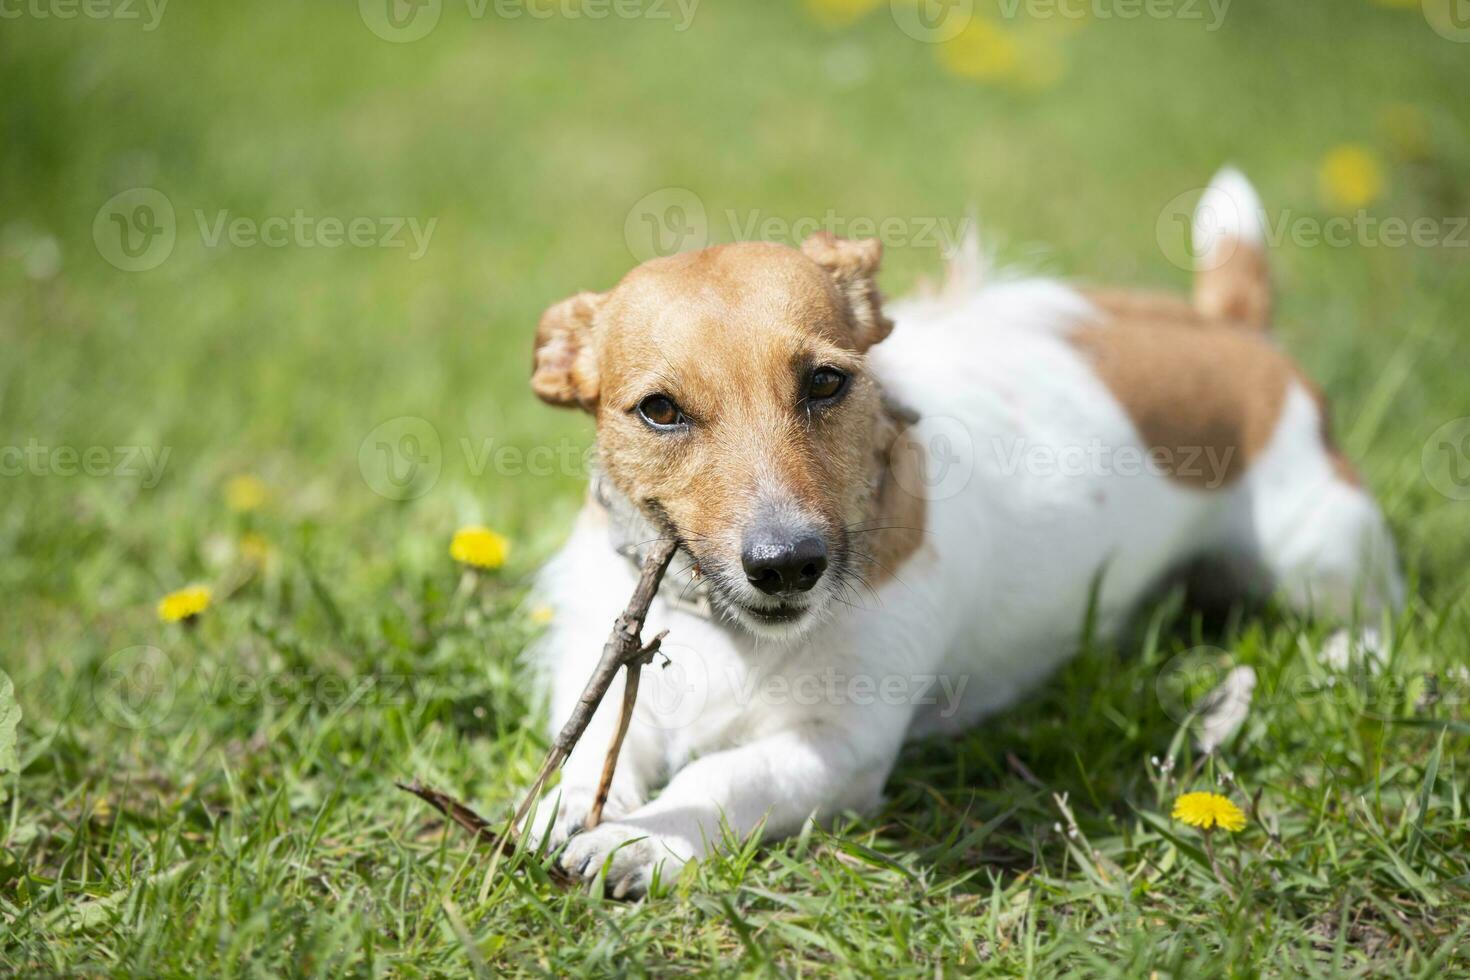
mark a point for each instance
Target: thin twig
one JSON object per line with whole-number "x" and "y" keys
{"x": 633, "y": 671}
{"x": 624, "y": 645}
{"x": 609, "y": 764}
{"x": 624, "y": 649}
{"x": 479, "y": 828}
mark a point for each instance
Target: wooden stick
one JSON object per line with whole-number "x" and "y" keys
{"x": 609, "y": 764}
{"x": 632, "y": 672}
{"x": 479, "y": 828}
{"x": 624, "y": 647}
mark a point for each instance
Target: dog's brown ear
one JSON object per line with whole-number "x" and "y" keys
{"x": 564, "y": 371}
{"x": 852, "y": 265}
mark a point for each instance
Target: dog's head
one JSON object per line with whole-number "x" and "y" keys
{"x": 733, "y": 407}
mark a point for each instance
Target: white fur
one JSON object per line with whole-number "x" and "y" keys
{"x": 1228, "y": 209}
{"x": 1041, "y": 504}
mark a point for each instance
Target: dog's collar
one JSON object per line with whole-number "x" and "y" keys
{"x": 632, "y": 535}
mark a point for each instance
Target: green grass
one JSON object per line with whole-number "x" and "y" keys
{"x": 225, "y": 805}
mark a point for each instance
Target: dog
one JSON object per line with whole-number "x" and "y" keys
{"x": 894, "y": 520}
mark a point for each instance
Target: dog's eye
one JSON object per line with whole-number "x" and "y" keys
{"x": 660, "y": 411}
{"x": 826, "y": 384}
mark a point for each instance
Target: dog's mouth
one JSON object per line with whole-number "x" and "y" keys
{"x": 782, "y": 618}
{"x": 780, "y": 614}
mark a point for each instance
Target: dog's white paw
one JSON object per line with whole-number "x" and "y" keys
{"x": 563, "y": 813}
{"x": 554, "y": 821}
{"x": 631, "y": 854}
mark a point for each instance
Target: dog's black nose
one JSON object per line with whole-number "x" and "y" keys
{"x": 783, "y": 565}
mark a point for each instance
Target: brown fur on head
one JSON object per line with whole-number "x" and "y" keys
{"x": 733, "y": 335}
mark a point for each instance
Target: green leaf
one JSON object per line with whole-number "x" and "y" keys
{"x": 1426, "y": 795}
{"x": 9, "y": 719}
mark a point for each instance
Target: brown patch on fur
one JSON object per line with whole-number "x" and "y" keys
{"x": 1143, "y": 304}
{"x": 1203, "y": 389}
{"x": 1205, "y": 401}
{"x": 562, "y": 370}
{"x": 896, "y": 529}
{"x": 853, "y": 264}
{"x": 1237, "y": 289}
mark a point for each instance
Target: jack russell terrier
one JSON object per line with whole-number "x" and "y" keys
{"x": 893, "y": 520}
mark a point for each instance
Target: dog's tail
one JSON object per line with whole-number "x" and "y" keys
{"x": 1231, "y": 281}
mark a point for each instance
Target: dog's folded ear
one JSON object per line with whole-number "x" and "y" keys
{"x": 852, "y": 265}
{"x": 564, "y": 369}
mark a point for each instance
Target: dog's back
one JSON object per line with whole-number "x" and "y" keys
{"x": 1112, "y": 438}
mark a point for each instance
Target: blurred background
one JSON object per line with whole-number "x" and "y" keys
{"x": 345, "y": 214}
{"x": 269, "y": 274}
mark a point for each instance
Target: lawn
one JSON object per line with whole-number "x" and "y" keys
{"x": 308, "y": 367}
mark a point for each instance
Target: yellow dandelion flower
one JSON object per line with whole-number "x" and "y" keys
{"x": 1208, "y": 810}
{"x": 254, "y": 548}
{"x": 479, "y": 546}
{"x": 1350, "y": 177}
{"x": 984, "y": 51}
{"x": 838, "y": 13}
{"x": 245, "y": 493}
{"x": 184, "y": 604}
{"x": 542, "y": 615}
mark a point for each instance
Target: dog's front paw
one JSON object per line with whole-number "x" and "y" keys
{"x": 631, "y": 854}
{"x": 562, "y": 813}
{"x": 557, "y": 817}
